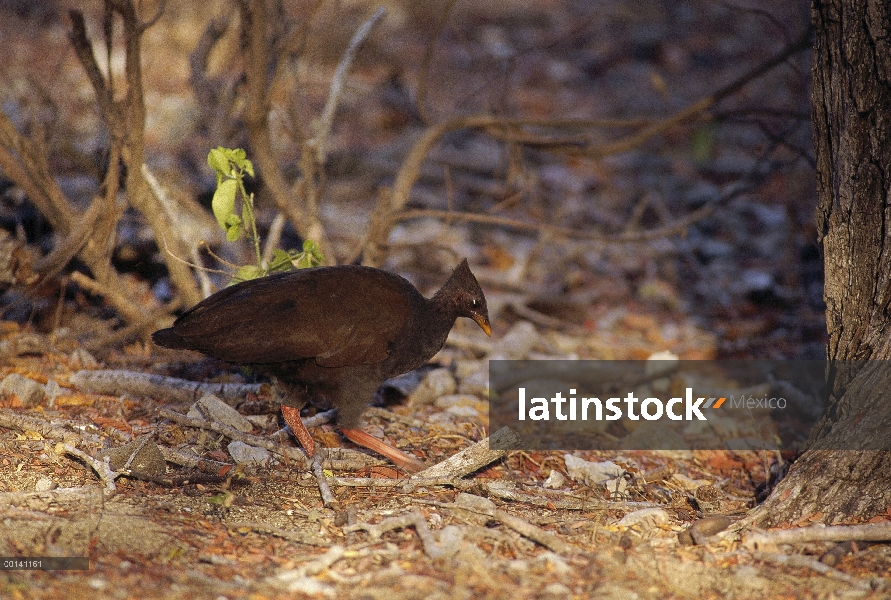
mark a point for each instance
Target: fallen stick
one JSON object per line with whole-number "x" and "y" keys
{"x": 103, "y": 470}
{"x": 324, "y": 490}
{"x": 414, "y": 519}
{"x": 557, "y": 500}
{"x": 18, "y": 422}
{"x": 473, "y": 458}
{"x": 205, "y": 465}
{"x": 134, "y": 383}
{"x": 869, "y": 532}
{"x": 483, "y": 506}
{"x": 536, "y": 534}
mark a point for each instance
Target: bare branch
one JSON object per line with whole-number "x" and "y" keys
{"x": 117, "y": 382}
{"x": 799, "y": 561}
{"x": 768, "y": 540}
{"x": 324, "y": 490}
{"x": 214, "y": 95}
{"x": 126, "y": 123}
{"x": 23, "y": 164}
{"x": 55, "y": 261}
{"x": 91, "y": 237}
{"x": 253, "y": 36}
{"x": 337, "y": 83}
{"x": 84, "y": 50}
{"x": 113, "y": 295}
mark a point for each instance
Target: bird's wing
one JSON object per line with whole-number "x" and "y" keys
{"x": 339, "y": 316}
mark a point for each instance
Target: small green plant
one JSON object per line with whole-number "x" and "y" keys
{"x": 231, "y": 166}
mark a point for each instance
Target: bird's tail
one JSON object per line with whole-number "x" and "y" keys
{"x": 168, "y": 338}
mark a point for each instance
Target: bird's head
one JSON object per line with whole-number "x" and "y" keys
{"x": 463, "y": 294}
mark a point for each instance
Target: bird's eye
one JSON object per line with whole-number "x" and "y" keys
{"x": 473, "y": 302}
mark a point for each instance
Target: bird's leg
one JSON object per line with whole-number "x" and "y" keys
{"x": 400, "y": 458}
{"x": 292, "y": 418}
{"x": 292, "y": 398}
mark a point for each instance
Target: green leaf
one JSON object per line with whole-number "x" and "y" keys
{"x": 219, "y": 162}
{"x": 304, "y": 260}
{"x": 281, "y": 261}
{"x": 313, "y": 255}
{"x": 233, "y": 228}
{"x": 223, "y": 202}
{"x": 247, "y": 272}
{"x": 224, "y": 499}
{"x": 238, "y": 156}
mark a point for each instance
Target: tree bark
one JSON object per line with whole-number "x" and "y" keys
{"x": 851, "y": 114}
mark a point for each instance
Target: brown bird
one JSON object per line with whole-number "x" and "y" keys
{"x": 330, "y": 336}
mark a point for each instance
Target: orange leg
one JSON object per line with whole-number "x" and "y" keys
{"x": 292, "y": 418}
{"x": 400, "y": 458}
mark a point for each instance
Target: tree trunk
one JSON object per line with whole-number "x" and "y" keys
{"x": 852, "y": 136}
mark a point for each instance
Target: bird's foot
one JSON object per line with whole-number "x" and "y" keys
{"x": 400, "y": 458}
{"x": 292, "y": 418}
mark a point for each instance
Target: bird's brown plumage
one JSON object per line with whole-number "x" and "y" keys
{"x": 322, "y": 313}
{"x": 330, "y": 335}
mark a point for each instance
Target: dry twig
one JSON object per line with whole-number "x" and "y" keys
{"x": 17, "y": 422}
{"x": 205, "y": 465}
{"x": 473, "y": 458}
{"x": 536, "y": 534}
{"x": 413, "y": 519}
{"x": 119, "y": 382}
{"x": 869, "y": 532}
{"x": 557, "y": 500}
{"x": 325, "y": 491}
{"x": 100, "y": 466}
{"x": 323, "y": 129}
{"x": 406, "y": 485}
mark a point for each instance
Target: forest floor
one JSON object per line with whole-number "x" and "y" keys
{"x": 742, "y": 280}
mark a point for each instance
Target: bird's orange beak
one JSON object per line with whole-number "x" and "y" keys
{"x": 483, "y": 322}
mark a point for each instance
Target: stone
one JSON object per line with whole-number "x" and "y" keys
{"x": 30, "y": 392}
{"x": 211, "y": 408}
{"x": 249, "y": 456}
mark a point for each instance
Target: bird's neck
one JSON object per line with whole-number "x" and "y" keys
{"x": 429, "y": 329}
{"x": 439, "y": 316}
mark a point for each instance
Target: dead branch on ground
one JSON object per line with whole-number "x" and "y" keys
{"x": 769, "y": 540}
